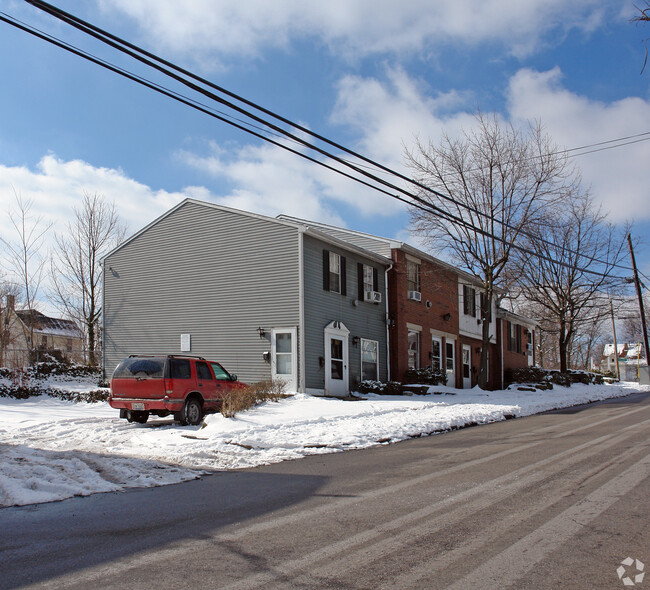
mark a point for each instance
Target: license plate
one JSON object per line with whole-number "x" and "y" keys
{"x": 137, "y": 406}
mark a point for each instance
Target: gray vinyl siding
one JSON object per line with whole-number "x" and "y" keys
{"x": 214, "y": 274}
{"x": 367, "y": 242}
{"x": 365, "y": 320}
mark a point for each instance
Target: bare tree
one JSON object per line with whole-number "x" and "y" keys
{"x": 575, "y": 272}
{"x": 491, "y": 184}
{"x": 25, "y": 259}
{"x": 76, "y": 265}
{"x": 643, "y": 17}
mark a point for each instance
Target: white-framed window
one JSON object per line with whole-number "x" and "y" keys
{"x": 369, "y": 360}
{"x": 436, "y": 353}
{"x": 450, "y": 358}
{"x": 335, "y": 272}
{"x": 413, "y": 349}
{"x": 368, "y": 279}
{"x": 412, "y": 276}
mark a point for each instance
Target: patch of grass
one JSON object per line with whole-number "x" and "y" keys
{"x": 248, "y": 397}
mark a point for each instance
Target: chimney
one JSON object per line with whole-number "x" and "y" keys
{"x": 11, "y": 302}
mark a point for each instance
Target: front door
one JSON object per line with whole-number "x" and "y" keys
{"x": 284, "y": 361}
{"x": 336, "y": 359}
{"x": 467, "y": 366}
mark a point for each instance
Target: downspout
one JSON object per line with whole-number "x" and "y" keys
{"x": 104, "y": 321}
{"x": 503, "y": 377}
{"x": 390, "y": 266}
{"x": 302, "y": 382}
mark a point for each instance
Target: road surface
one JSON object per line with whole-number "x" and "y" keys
{"x": 557, "y": 500}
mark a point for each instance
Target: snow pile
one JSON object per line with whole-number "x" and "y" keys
{"x": 52, "y": 449}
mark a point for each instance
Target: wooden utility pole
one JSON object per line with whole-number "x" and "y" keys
{"x": 637, "y": 283}
{"x": 611, "y": 309}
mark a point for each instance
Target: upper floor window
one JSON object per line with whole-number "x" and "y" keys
{"x": 413, "y": 276}
{"x": 368, "y": 282}
{"x": 469, "y": 300}
{"x": 333, "y": 272}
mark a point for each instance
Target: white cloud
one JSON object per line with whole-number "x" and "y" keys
{"x": 55, "y": 187}
{"x": 270, "y": 180}
{"x": 619, "y": 177}
{"x": 201, "y": 28}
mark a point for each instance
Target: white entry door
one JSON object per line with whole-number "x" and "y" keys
{"x": 336, "y": 359}
{"x": 284, "y": 361}
{"x": 467, "y": 366}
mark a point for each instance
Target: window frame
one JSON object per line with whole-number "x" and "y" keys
{"x": 413, "y": 276}
{"x": 436, "y": 340}
{"x": 469, "y": 301}
{"x": 334, "y": 261}
{"x": 376, "y": 362}
{"x": 416, "y": 356}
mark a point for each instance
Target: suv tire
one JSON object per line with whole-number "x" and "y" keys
{"x": 192, "y": 412}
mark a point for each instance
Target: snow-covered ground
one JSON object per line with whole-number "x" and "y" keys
{"x": 52, "y": 449}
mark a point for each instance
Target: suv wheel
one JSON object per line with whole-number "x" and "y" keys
{"x": 192, "y": 412}
{"x": 137, "y": 416}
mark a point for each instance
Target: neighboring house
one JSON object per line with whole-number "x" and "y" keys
{"x": 515, "y": 341}
{"x": 267, "y": 298}
{"x": 25, "y": 330}
{"x": 630, "y": 357}
{"x": 434, "y": 311}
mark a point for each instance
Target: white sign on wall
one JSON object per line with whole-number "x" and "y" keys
{"x": 186, "y": 344}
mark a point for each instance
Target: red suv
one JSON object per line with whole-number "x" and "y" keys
{"x": 187, "y": 387}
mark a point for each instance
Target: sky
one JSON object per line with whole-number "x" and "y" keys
{"x": 373, "y": 75}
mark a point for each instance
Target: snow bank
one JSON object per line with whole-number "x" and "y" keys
{"x": 52, "y": 449}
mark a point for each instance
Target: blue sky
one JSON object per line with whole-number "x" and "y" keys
{"x": 371, "y": 74}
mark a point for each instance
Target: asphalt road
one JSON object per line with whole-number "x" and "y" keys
{"x": 557, "y": 500}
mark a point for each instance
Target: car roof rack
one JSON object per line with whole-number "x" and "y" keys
{"x": 169, "y": 356}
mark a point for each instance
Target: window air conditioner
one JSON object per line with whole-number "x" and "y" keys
{"x": 415, "y": 295}
{"x": 372, "y": 296}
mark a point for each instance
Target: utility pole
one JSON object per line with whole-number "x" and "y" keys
{"x": 637, "y": 283}
{"x": 611, "y": 309}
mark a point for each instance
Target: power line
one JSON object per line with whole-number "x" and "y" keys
{"x": 129, "y": 49}
{"x": 419, "y": 202}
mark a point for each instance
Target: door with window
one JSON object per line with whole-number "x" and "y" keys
{"x": 284, "y": 357}
{"x": 450, "y": 362}
{"x": 336, "y": 359}
{"x": 467, "y": 366}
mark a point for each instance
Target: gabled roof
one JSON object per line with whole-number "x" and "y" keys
{"x": 516, "y": 318}
{"x": 384, "y": 246}
{"x": 306, "y": 227}
{"x": 43, "y": 324}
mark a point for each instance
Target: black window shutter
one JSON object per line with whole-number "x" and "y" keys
{"x": 360, "y": 280}
{"x": 326, "y": 270}
{"x": 375, "y": 279}
{"x": 343, "y": 277}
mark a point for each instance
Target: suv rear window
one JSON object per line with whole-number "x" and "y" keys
{"x": 132, "y": 368}
{"x": 180, "y": 369}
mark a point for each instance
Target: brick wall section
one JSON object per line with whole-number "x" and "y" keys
{"x": 511, "y": 358}
{"x": 439, "y": 287}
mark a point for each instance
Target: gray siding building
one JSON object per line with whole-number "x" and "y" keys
{"x": 268, "y": 298}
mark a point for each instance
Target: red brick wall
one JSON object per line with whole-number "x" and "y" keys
{"x": 511, "y": 358}
{"x": 439, "y": 287}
